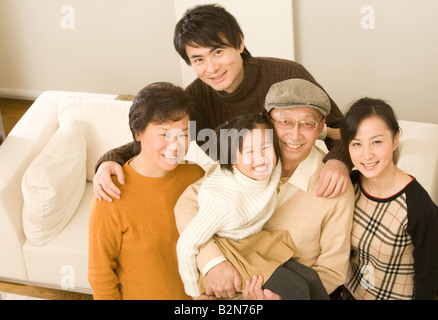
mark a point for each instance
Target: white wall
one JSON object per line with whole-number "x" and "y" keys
{"x": 120, "y": 46}
{"x": 397, "y": 61}
{"x": 115, "y": 47}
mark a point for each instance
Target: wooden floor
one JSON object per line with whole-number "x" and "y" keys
{"x": 42, "y": 293}
{"x": 11, "y": 112}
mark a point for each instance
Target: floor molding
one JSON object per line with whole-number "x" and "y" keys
{"x": 19, "y": 94}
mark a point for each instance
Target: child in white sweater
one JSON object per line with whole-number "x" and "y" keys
{"x": 235, "y": 201}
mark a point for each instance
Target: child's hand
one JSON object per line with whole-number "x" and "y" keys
{"x": 223, "y": 280}
{"x": 204, "y": 297}
{"x": 253, "y": 290}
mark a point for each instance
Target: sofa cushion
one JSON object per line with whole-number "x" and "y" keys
{"x": 53, "y": 184}
{"x": 105, "y": 122}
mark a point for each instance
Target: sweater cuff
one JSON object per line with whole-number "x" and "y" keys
{"x": 211, "y": 264}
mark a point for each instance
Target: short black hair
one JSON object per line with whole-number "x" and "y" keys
{"x": 157, "y": 103}
{"x": 209, "y": 26}
{"x": 235, "y": 130}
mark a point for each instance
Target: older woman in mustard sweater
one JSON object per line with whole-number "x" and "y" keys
{"x": 132, "y": 240}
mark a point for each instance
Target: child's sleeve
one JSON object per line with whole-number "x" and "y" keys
{"x": 210, "y": 218}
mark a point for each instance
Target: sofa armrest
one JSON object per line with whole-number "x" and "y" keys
{"x": 22, "y": 145}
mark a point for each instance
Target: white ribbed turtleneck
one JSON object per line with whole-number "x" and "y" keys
{"x": 231, "y": 205}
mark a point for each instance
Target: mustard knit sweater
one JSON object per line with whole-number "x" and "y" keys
{"x": 132, "y": 241}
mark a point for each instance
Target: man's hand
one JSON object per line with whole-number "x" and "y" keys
{"x": 104, "y": 187}
{"x": 333, "y": 179}
{"x": 253, "y": 290}
{"x": 223, "y": 281}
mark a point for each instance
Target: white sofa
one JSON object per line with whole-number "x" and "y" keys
{"x": 57, "y": 258}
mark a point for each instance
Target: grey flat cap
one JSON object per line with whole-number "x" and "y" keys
{"x": 297, "y": 93}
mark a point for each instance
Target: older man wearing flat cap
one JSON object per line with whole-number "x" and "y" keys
{"x": 320, "y": 227}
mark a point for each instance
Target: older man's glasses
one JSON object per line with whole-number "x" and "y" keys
{"x": 307, "y": 125}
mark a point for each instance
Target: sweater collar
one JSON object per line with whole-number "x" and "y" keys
{"x": 305, "y": 170}
{"x": 152, "y": 180}
{"x": 251, "y": 73}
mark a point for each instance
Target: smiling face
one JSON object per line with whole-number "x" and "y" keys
{"x": 372, "y": 148}
{"x": 296, "y": 143}
{"x": 163, "y": 146}
{"x": 257, "y": 158}
{"x": 220, "y": 68}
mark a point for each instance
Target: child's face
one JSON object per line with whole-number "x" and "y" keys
{"x": 257, "y": 159}
{"x": 372, "y": 148}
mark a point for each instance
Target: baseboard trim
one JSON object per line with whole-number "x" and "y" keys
{"x": 19, "y": 94}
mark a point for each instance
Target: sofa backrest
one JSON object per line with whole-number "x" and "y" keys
{"x": 418, "y": 154}
{"x": 105, "y": 124}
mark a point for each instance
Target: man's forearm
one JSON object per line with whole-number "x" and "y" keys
{"x": 337, "y": 152}
{"x": 120, "y": 155}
